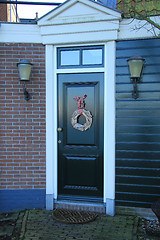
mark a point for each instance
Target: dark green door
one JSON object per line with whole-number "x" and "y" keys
{"x": 80, "y": 150}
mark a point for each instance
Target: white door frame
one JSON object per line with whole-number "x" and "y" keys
{"x": 109, "y": 123}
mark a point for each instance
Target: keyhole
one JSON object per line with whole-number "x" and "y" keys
{"x": 81, "y": 119}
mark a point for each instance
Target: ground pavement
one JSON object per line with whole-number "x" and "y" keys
{"x": 40, "y": 225}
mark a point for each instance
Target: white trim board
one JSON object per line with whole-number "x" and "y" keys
{"x": 51, "y": 120}
{"x": 109, "y": 127}
{"x": 19, "y": 33}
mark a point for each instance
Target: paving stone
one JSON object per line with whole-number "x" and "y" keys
{"x": 39, "y": 225}
{"x": 6, "y": 230}
{"x": 7, "y": 224}
{"x": 8, "y": 216}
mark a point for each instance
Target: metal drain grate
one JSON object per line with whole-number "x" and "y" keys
{"x": 73, "y": 217}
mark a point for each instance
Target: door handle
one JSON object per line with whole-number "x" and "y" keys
{"x": 59, "y": 129}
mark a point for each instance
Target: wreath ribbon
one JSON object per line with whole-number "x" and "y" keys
{"x": 80, "y": 103}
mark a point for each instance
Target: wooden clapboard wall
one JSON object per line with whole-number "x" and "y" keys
{"x": 138, "y": 126}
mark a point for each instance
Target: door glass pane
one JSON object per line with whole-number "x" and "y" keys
{"x": 70, "y": 57}
{"x": 92, "y": 56}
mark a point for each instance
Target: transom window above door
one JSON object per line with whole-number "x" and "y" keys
{"x": 76, "y": 57}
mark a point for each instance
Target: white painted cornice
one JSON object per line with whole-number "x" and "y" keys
{"x": 19, "y": 33}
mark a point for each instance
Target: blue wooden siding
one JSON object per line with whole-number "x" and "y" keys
{"x": 11, "y": 200}
{"x": 138, "y": 126}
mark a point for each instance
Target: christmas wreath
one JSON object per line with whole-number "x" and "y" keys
{"x": 78, "y": 126}
{"x": 81, "y": 111}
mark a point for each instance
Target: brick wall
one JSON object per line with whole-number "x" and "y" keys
{"x": 3, "y": 12}
{"x": 22, "y": 123}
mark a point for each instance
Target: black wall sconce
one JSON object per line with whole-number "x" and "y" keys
{"x": 24, "y": 68}
{"x": 135, "y": 66}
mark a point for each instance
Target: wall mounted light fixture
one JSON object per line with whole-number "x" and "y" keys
{"x": 135, "y": 66}
{"x": 24, "y": 68}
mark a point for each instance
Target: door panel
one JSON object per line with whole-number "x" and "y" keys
{"x": 80, "y": 153}
{"x": 82, "y": 138}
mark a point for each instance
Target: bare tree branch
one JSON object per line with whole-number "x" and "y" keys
{"x": 142, "y": 10}
{"x": 141, "y": 16}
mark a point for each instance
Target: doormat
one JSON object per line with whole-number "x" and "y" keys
{"x": 73, "y": 216}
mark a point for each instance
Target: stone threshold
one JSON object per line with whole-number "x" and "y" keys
{"x": 81, "y": 206}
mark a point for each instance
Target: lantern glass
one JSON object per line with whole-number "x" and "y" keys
{"x": 24, "y": 68}
{"x": 136, "y": 66}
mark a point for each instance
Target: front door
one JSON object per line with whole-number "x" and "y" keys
{"x": 80, "y": 135}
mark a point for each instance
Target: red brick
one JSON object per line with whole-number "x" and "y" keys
{"x": 23, "y": 123}
{"x": 12, "y": 187}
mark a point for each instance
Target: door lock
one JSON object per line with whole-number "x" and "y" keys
{"x": 59, "y": 129}
{"x": 59, "y": 141}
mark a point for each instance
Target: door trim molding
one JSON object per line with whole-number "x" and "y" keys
{"x": 51, "y": 127}
{"x": 109, "y": 127}
{"x": 109, "y": 124}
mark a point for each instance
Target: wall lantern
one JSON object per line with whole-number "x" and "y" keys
{"x": 24, "y": 68}
{"x": 135, "y": 66}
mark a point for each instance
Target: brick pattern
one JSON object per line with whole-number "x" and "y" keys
{"x": 22, "y": 124}
{"x": 3, "y": 12}
{"x": 8, "y": 13}
{"x": 40, "y": 224}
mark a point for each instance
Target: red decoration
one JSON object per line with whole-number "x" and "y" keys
{"x": 80, "y": 103}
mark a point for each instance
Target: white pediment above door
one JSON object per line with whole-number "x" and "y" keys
{"x": 79, "y": 21}
{"x": 79, "y": 11}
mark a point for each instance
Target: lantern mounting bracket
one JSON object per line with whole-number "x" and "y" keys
{"x": 27, "y": 95}
{"x": 135, "y": 93}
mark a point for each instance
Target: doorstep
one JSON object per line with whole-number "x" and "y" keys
{"x": 81, "y": 206}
